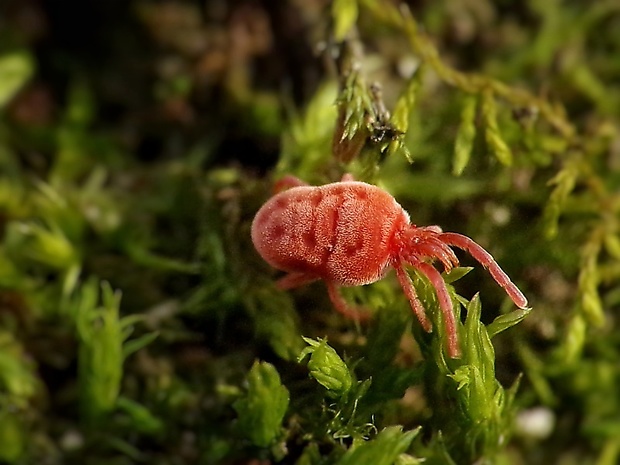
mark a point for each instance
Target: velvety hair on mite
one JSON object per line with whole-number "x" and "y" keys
{"x": 350, "y": 233}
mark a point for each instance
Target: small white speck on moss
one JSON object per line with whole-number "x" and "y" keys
{"x": 535, "y": 423}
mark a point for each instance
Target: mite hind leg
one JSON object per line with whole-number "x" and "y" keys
{"x": 293, "y": 280}
{"x": 287, "y": 182}
{"x": 343, "y": 307}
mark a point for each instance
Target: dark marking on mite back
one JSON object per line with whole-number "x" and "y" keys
{"x": 277, "y": 231}
{"x": 354, "y": 247}
{"x": 315, "y": 198}
{"x": 309, "y": 239}
{"x": 350, "y": 250}
{"x": 361, "y": 194}
{"x": 337, "y": 190}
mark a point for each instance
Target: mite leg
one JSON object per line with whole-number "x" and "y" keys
{"x": 287, "y": 182}
{"x": 405, "y": 282}
{"x": 293, "y": 280}
{"x": 487, "y": 260}
{"x": 347, "y": 177}
{"x": 426, "y": 242}
{"x": 445, "y": 303}
{"x": 354, "y": 313}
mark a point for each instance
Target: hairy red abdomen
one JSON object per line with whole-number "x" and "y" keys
{"x": 341, "y": 232}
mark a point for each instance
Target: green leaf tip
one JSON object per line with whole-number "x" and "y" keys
{"x": 503, "y": 322}
{"x": 485, "y": 409}
{"x": 262, "y": 409}
{"x": 591, "y": 304}
{"x": 102, "y": 334}
{"x": 564, "y": 183}
{"x": 406, "y": 102}
{"x": 345, "y": 14}
{"x": 456, "y": 273}
{"x": 384, "y": 449}
{"x": 16, "y": 68}
{"x": 45, "y": 245}
{"x": 492, "y": 133}
{"x": 275, "y": 320}
{"x": 574, "y": 340}
{"x": 465, "y": 136}
{"x": 326, "y": 367}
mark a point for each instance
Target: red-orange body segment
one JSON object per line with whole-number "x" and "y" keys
{"x": 341, "y": 232}
{"x": 350, "y": 233}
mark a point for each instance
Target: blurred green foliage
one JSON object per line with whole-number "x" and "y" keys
{"x": 261, "y": 411}
{"x": 137, "y": 144}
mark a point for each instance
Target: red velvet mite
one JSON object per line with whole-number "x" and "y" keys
{"x": 350, "y": 233}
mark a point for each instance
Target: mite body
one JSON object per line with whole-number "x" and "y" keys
{"x": 351, "y": 233}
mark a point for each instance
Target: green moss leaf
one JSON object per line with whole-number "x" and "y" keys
{"x": 101, "y": 352}
{"x": 465, "y": 136}
{"x": 384, "y": 449}
{"x": 385, "y": 335}
{"x": 589, "y": 279}
{"x": 15, "y": 69}
{"x": 503, "y": 322}
{"x": 13, "y": 437}
{"x": 142, "y": 418}
{"x": 138, "y": 343}
{"x": 456, "y": 273}
{"x": 564, "y": 183}
{"x": 345, "y": 16}
{"x": 17, "y": 373}
{"x": 406, "y": 103}
{"x": 101, "y": 332}
{"x": 261, "y": 411}
{"x": 612, "y": 245}
{"x": 327, "y": 367}
{"x": 48, "y": 246}
{"x": 574, "y": 340}
{"x": 492, "y": 134}
{"x": 275, "y": 320}
{"x": 307, "y": 141}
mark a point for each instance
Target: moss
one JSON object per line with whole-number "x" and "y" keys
{"x": 138, "y": 324}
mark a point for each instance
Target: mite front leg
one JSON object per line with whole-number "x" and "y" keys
{"x": 486, "y": 260}
{"x": 445, "y": 304}
{"x": 405, "y": 282}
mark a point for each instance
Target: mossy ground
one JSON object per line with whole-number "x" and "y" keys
{"x": 137, "y": 141}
